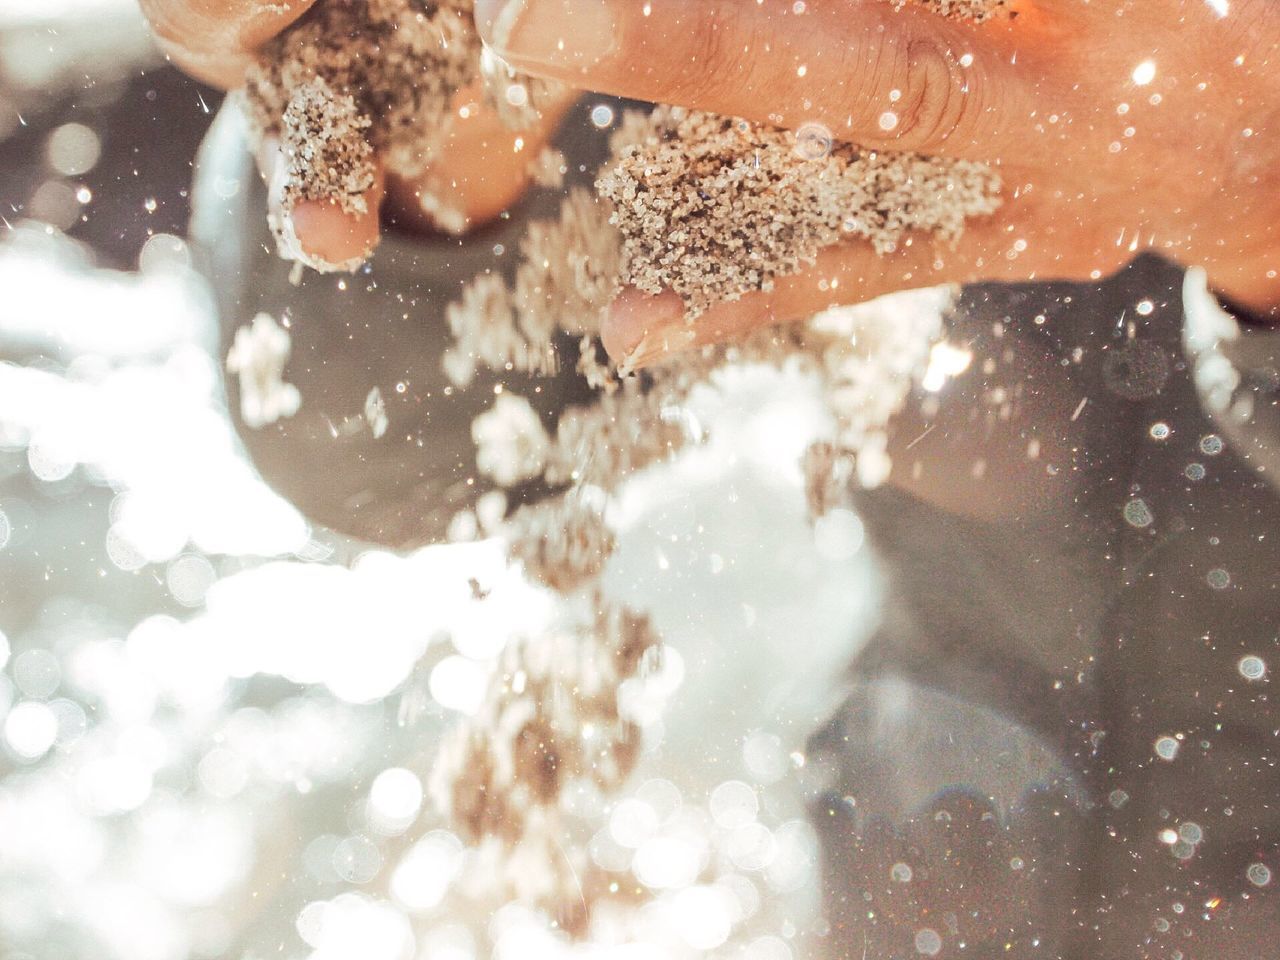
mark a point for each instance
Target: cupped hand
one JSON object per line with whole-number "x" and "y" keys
{"x": 1118, "y": 126}
{"x": 481, "y": 169}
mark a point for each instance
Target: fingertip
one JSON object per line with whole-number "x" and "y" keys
{"x": 328, "y": 234}
{"x": 324, "y": 234}
{"x": 634, "y": 315}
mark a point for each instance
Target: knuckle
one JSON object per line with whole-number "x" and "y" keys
{"x": 938, "y": 96}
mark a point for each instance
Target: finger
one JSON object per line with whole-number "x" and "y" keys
{"x": 880, "y": 76}
{"x": 321, "y": 233}
{"x": 481, "y": 168}
{"x": 329, "y": 235}
{"x": 212, "y": 39}
{"x": 641, "y": 329}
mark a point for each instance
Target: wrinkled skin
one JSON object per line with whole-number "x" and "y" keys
{"x": 1097, "y": 165}
{"x": 479, "y": 172}
{"x": 1118, "y": 125}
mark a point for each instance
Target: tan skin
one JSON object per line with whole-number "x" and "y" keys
{"x": 1096, "y": 166}
{"x": 1094, "y": 171}
{"x": 1046, "y": 95}
{"x": 479, "y": 172}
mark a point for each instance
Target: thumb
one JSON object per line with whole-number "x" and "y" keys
{"x": 323, "y": 234}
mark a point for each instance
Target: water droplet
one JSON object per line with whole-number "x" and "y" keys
{"x": 1137, "y": 370}
{"x": 1144, "y": 73}
{"x": 1259, "y": 874}
{"x": 1137, "y": 513}
{"x": 1160, "y": 431}
{"x": 901, "y": 872}
{"x": 73, "y": 149}
{"x": 813, "y": 141}
{"x": 517, "y": 94}
{"x": 1211, "y": 445}
{"x": 164, "y": 253}
{"x": 1166, "y": 748}
{"x": 30, "y": 729}
{"x": 1218, "y": 578}
{"x": 356, "y": 860}
{"x": 928, "y": 943}
{"x": 189, "y": 578}
{"x": 36, "y": 672}
{"x": 395, "y": 797}
{"x": 601, "y": 116}
{"x": 1252, "y": 667}
{"x": 733, "y": 804}
{"x": 838, "y": 534}
{"x": 888, "y": 121}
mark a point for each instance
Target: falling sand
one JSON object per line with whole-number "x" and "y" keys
{"x": 709, "y": 207}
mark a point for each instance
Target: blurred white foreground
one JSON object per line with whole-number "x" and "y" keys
{"x": 165, "y": 793}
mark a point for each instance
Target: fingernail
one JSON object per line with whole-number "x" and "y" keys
{"x": 332, "y": 239}
{"x": 654, "y": 346}
{"x": 638, "y": 324}
{"x": 315, "y": 233}
{"x": 563, "y": 34}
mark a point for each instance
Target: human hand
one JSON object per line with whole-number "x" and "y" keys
{"x": 478, "y": 171}
{"x": 1118, "y": 126}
